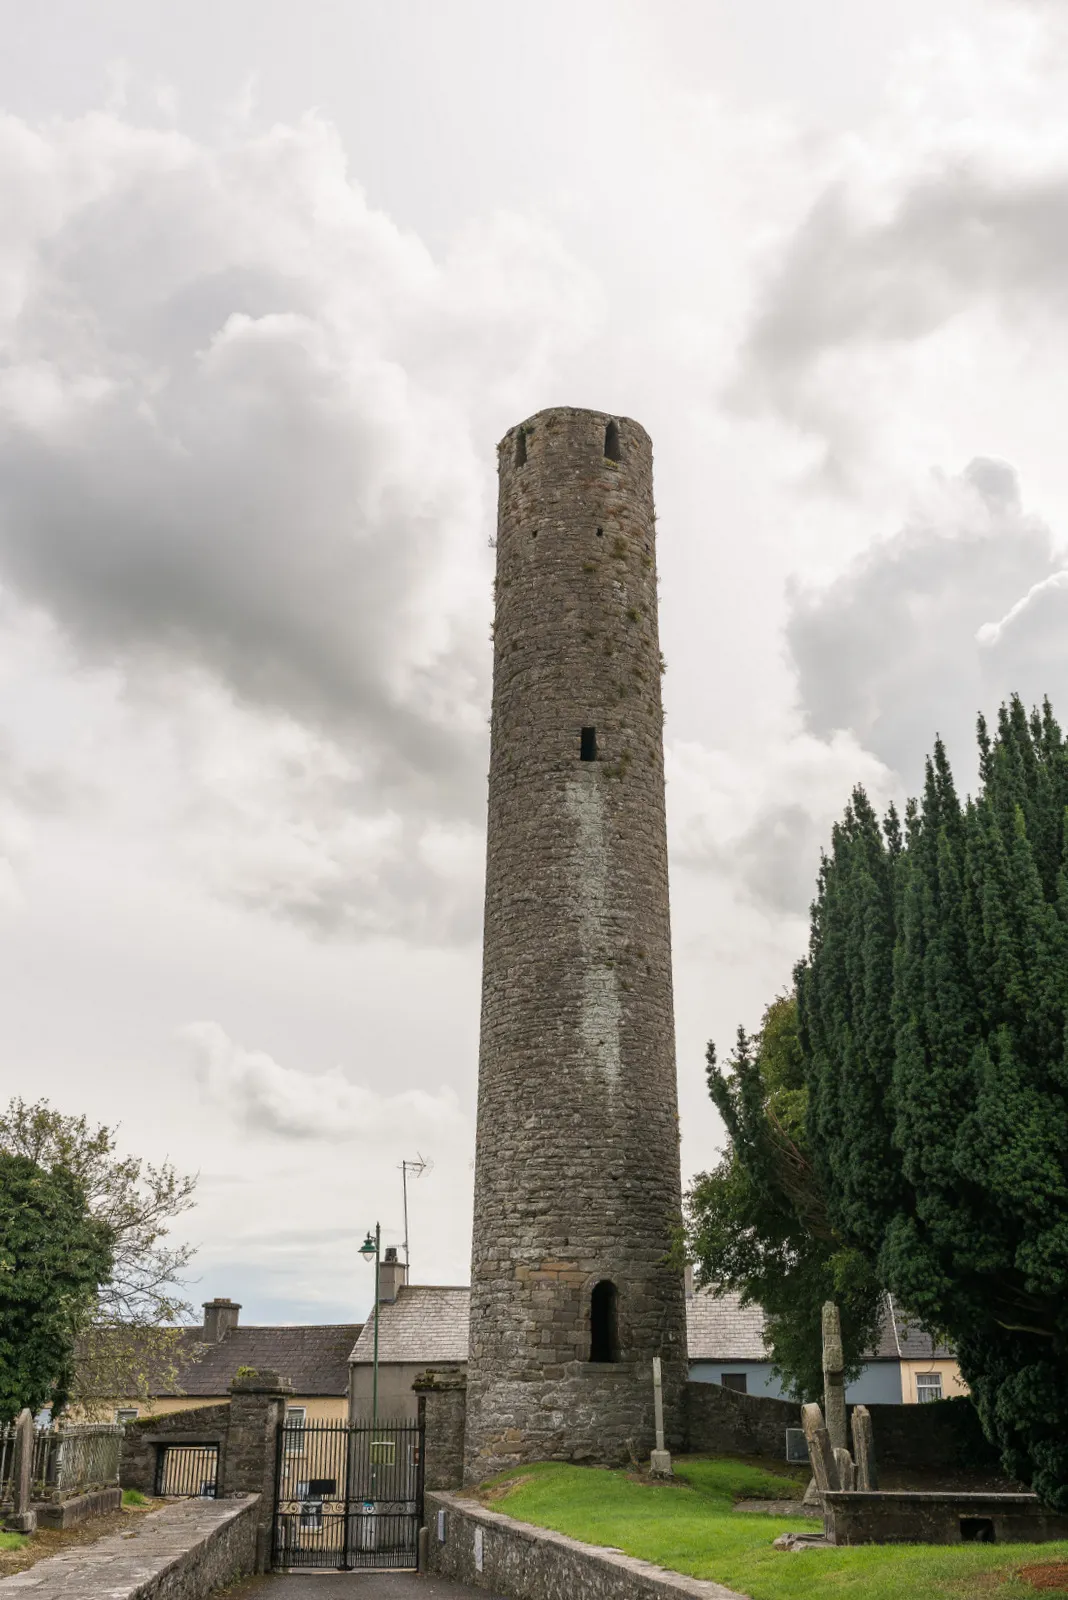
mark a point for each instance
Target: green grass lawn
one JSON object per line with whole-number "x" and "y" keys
{"x": 691, "y": 1527}
{"x": 12, "y": 1541}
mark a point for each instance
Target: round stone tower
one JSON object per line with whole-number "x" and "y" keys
{"x": 575, "y": 1284}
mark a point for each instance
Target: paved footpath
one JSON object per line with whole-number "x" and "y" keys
{"x": 353, "y": 1586}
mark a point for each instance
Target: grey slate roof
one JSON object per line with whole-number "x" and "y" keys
{"x": 720, "y": 1328}
{"x": 314, "y": 1358}
{"x": 424, "y": 1324}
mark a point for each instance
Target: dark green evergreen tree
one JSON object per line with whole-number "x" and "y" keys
{"x": 54, "y": 1255}
{"x": 933, "y": 1008}
{"x": 758, "y": 1222}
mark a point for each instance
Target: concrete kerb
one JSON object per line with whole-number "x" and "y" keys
{"x": 488, "y": 1550}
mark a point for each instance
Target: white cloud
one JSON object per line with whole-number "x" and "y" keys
{"x": 262, "y": 1096}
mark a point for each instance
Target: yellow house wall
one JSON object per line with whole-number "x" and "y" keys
{"x": 320, "y": 1408}
{"x": 952, "y": 1382}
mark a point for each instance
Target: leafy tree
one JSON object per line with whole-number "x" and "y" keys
{"x": 127, "y": 1339}
{"x": 934, "y": 1031}
{"x": 54, "y": 1254}
{"x": 759, "y": 1222}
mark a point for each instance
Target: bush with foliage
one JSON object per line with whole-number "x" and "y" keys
{"x": 54, "y": 1255}
{"x": 758, "y": 1222}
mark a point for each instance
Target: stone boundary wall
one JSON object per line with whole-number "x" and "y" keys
{"x": 938, "y": 1434}
{"x": 184, "y": 1552}
{"x": 747, "y": 1424}
{"x": 491, "y": 1551}
{"x": 79, "y": 1508}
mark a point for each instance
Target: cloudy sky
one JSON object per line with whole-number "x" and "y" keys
{"x": 273, "y": 281}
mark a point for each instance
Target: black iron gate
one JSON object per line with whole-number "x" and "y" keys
{"x": 348, "y": 1495}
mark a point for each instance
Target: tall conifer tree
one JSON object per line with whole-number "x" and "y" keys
{"x": 934, "y": 1029}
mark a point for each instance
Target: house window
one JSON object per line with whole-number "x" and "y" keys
{"x": 928, "y": 1386}
{"x": 735, "y": 1380}
{"x": 126, "y": 1414}
{"x": 604, "y": 1322}
{"x": 296, "y": 1416}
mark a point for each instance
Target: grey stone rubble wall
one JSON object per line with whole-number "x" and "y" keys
{"x": 141, "y": 1441}
{"x": 79, "y": 1508}
{"x": 184, "y": 1552}
{"x": 721, "y": 1419}
{"x": 939, "y": 1434}
{"x": 491, "y": 1551}
{"x": 577, "y": 1170}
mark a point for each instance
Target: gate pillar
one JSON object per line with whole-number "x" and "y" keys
{"x": 257, "y": 1408}
{"x": 442, "y": 1417}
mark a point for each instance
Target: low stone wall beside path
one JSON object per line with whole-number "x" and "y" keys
{"x": 470, "y": 1544}
{"x": 184, "y": 1552}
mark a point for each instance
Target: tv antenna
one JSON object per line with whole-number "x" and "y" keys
{"x": 416, "y": 1168}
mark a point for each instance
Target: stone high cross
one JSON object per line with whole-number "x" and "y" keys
{"x": 574, "y": 1289}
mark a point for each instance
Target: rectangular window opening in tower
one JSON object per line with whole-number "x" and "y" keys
{"x": 588, "y": 745}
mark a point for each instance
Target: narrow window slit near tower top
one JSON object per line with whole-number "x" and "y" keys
{"x": 588, "y": 744}
{"x": 604, "y": 1322}
{"x": 600, "y": 533}
{"x": 520, "y": 449}
{"x": 611, "y": 442}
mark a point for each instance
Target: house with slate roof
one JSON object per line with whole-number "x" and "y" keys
{"x": 422, "y": 1327}
{"x": 419, "y": 1326}
{"x": 314, "y": 1357}
{"x": 726, "y": 1345}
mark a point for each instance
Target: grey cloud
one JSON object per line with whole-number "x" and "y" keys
{"x": 236, "y": 451}
{"x": 1028, "y": 647}
{"x": 210, "y": 459}
{"x": 892, "y": 650}
{"x": 956, "y": 236}
{"x": 776, "y": 858}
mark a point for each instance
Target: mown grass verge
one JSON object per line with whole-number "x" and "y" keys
{"x": 690, "y": 1527}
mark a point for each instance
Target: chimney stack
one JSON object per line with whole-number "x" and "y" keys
{"x": 391, "y": 1275}
{"x": 219, "y": 1317}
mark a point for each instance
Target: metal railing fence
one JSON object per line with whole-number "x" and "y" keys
{"x": 66, "y": 1461}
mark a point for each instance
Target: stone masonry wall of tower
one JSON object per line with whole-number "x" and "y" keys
{"x": 577, "y": 1173}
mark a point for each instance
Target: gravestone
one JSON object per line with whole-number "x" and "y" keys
{"x": 660, "y": 1461}
{"x": 23, "y": 1519}
{"x": 820, "y": 1450}
{"x": 846, "y": 1476}
{"x": 864, "y": 1449}
{"x": 834, "y": 1377}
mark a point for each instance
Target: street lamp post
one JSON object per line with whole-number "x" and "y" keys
{"x": 371, "y": 1250}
